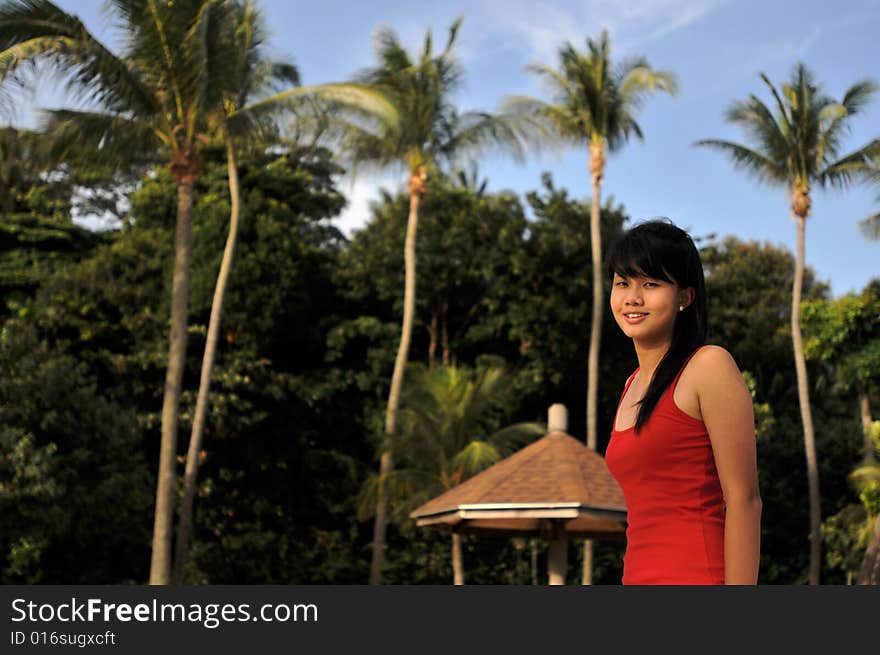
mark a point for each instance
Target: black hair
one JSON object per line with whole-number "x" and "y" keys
{"x": 659, "y": 249}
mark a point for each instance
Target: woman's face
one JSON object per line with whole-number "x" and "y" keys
{"x": 645, "y": 308}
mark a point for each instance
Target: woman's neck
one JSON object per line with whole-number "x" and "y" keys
{"x": 649, "y": 356}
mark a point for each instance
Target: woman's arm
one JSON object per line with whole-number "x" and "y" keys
{"x": 726, "y": 407}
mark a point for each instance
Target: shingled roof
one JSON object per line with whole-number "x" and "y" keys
{"x": 556, "y": 480}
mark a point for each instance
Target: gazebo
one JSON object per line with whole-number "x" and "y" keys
{"x": 554, "y": 488}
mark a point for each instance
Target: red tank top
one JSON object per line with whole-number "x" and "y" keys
{"x": 675, "y": 506}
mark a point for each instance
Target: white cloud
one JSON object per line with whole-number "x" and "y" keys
{"x": 360, "y": 193}
{"x": 544, "y": 27}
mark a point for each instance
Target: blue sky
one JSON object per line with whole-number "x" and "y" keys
{"x": 715, "y": 47}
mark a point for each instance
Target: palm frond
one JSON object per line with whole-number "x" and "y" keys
{"x": 93, "y": 73}
{"x": 845, "y": 170}
{"x": 638, "y": 79}
{"x": 752, "y": 161}
{"x": 762, "y": 128}
{"x": 108, "y": 139}
{"x": 479, "y": 130}
{"x": 360, "y": 99}
{"x": 857, "y": 97}
{"x": 474, "y": 457}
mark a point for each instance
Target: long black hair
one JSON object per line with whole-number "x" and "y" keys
{"x": 659, "y": 249}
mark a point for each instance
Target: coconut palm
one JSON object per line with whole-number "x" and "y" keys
{"x": 427, "y": 132}
{"x": 153, "y": 102}
{"x": 445, "y": 437}
{"x": 799, "y": 146}
{"x": 594, "y": 103}
{"x": 252, "y": 73}
{"x": 150, "y": 100}
{"x": 260, "y": 91}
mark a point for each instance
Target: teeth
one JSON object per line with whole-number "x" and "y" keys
{"x": 633, "y": 315}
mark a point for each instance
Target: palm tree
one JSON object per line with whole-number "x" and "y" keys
{"x": 427, "y": 132}
{"x": 797, "y": 147}
{"x": 251, "y": 72}
{"x": 151, "y": 100}
{"x": 154, "y": 102}
{"x": 272, "y": 85}
{"x": 594, "y": 104}
{"x": 445, "y": 437}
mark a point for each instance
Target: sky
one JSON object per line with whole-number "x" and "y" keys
{"x": 716, "y": 48}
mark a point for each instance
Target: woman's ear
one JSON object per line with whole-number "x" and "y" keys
{"x": 686, "y": 296}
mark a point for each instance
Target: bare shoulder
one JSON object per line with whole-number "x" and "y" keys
{"x": 714, "y": 360}
{"x": 713, "y": 367}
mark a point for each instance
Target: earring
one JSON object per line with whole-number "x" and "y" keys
{"x": 681, "y": 308}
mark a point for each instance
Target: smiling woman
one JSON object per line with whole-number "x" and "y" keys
{"x": 683, "y": 440}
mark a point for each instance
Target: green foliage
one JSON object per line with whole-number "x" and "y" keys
{"x": 846, "y": 534}
{"x": 75, "y": 490}
{"x": 593, "y": 101}
{"x": 450, "y": 429}
{"x": 425, "y": 129}
{"x": 845, "y": 333}
{"x": 799, "y": 142}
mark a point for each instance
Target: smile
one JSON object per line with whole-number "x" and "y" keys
{"x": 634, "y": 317}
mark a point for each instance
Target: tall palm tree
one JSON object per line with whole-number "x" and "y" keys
{"x": 153, "y": 102}
{"x": 594, "y": 103}
{"x": 259, "y": 92}
{"x": 150, "y": 100}
{"x": 427, "y": 132}
{"x": 445, "y": 438}
{"x": 796, "y": 147}
{"x": 251, "y": 72}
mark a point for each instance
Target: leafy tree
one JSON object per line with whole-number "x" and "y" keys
{"x": 246, "y": 114}
{"x": 449, "y": 432}
{"x": 75, "y": 491}
{"x": 845, "y": 334}
{"x": 152, "y": 100}
{"x": 853, "y": 534}
{"x": 425, "y": 132}
{"x": 798, "y": 146}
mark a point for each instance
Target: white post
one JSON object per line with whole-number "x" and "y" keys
{"x": 557, "y": 418}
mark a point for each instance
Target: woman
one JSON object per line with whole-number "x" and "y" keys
{"x": 683, "y": 441}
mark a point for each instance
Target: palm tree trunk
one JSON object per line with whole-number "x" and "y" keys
{"x": 865, "y": 412}
{"x": 184, "y": 528}
{"x": 432, "y": 346}
{"x": 806, "y": 414}
{"x": 457, "y": 560}
{"x": 445, "y": 335}
{"x": 597, "y": 168}
{"x": 160, "y": 563}
{"x": 416, "y": 190}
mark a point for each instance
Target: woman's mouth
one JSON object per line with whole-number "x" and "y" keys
{"x": 634, "y": 317}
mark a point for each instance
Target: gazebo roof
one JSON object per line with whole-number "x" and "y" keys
{"x": 554, "y": 484}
